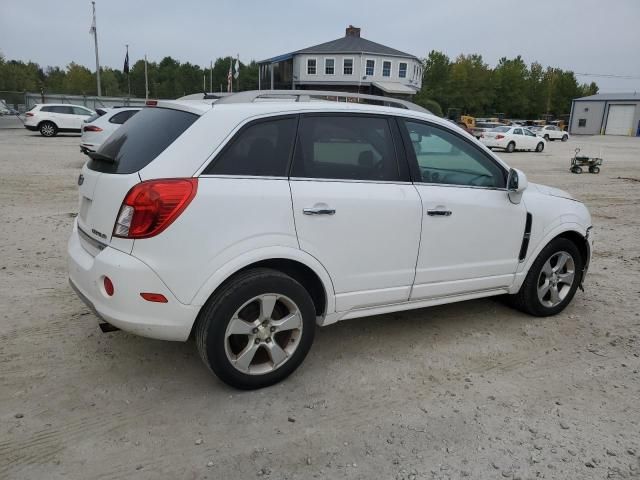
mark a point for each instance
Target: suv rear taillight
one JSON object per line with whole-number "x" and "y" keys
{"x": 150, "y": 207}
{"x": 28, "y": 114}
{"x": 91, "y": 128}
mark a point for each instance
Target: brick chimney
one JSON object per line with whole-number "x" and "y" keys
{"x": 352, "y": 31}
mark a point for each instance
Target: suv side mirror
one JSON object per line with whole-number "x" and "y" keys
{"x": 516, "y": 184}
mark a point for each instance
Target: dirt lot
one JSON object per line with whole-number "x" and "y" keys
{"x": 469, "y": 390}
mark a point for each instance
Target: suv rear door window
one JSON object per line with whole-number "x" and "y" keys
{"x": 145, "y": 136}
{"x": 260, "y": 149}
{"x": 345, "y": 147}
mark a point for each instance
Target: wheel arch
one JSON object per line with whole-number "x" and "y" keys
{"x": 46, "y": 120}
{"x": 299, "y": 265}
{"x": 575, "y": 232}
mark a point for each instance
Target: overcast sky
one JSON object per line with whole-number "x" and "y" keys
{"x": 586, "y": 36}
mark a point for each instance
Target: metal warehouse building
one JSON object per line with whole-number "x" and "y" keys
{"x": 606, "y": 114}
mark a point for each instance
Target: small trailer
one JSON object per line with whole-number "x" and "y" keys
{"x": 578, "y": 161}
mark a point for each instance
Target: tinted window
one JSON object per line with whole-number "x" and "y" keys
{"x": 122, "y": 117}
{"x": 46, "y": 109}
{"x": 61, "y": 109}
{"x": 134, "y": 145}
{"x": 80, "y": 111}
{"x": 529, "y": 133}
{"x": 261, "y": 149}
{"x": 517, "y": 131}
{"x": 445, "y": 158}
{"x": 345, "y": 147}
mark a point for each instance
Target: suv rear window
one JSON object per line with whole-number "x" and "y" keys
{"x": 141, "y": 139}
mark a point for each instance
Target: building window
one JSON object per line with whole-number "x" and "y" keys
{"x": 371, "y": 67}
{"x": 329, "y": 66}
{"x": 586, "y": 109}
{"x": 402, "y": 70}
{"x": 386, "y": 69}
{"x": 347, "y": 66}
{"x": 311, "y": 66}
{"x": 582, "y": 122}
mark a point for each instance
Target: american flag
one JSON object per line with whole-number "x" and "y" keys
{"x": 230, "y": 79}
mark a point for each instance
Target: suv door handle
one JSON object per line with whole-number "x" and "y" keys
{"x": 318, "y": 211}
{"x": 439, "y": 213}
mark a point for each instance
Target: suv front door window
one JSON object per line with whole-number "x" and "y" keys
{"x": 354, "y": 208}
{"x": 471, "y": 232}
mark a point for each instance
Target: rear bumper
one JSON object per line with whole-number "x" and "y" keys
{"x": 126, "y": 309}
{"x": 492, "y": 143}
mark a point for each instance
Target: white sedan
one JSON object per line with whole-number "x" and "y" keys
{"x": 513, "y": 138}
{"x": 100, "y": 126}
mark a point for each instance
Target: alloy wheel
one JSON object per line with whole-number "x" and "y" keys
{"x": 556, "y": 279}
{"x": 263, "y": 334}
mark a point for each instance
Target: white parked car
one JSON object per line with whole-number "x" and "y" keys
{"x": 511, "y": 139}
{"x": 551, "y": 132}
{"x": 51, "y": 118}
{"x": 98, "y": 127}
{"x": 246, "y": 224}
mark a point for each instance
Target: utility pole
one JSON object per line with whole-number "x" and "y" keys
{"x": 94, "y": 30}
{"x": 211, "y": 76}
{"x": 146, "y": 79}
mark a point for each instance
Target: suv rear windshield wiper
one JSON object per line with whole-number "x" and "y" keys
{"x": 101, "y": 157}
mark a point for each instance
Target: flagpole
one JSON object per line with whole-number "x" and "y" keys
{"x": 211, "y": 76}
{"x": 128, "y": 69}
{"x": 146, "y": 79}
{"x": 204, "y": 82}
{"x": 95, "y": 39}
{"x": 237, "y": 72}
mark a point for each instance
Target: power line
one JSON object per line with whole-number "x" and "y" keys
{"x": 608, "y": 75}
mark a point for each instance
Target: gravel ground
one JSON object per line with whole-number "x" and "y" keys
{"x": 466, "y": 390}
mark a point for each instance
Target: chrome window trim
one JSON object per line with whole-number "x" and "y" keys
{"x": 426, "y": 184}
{"x": 347, "y": 180}
{"x": 247, "y": 177}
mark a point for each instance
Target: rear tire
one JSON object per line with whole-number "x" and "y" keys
{"x": 565, "y": 138}
{"x": 241, "y": 334}
{"x": 546, "y": 137}
{"x": 540, "y": 147}
{"x": 552, "y": 280}
{"x": 48, "y": 129}
{"x": 511, "y": 147}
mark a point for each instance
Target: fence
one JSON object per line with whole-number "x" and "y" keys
{"x": 23, "y": 101}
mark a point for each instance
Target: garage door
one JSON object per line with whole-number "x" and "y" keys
{"x": 620, "y": 119}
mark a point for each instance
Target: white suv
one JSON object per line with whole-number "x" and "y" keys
{"x": 97, "y": 128}
{"x": 51, "y": 118}
{"x": 551, "y": 132}
{"x": 247, "y": 223}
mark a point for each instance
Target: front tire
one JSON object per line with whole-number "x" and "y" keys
{"x": 257, "y": 329}
{"x": 552, "y": 280}
{"x": 511, "y": 147}
{"x": 540, "y": 147}
{"x": 565, "y": 138}
{"x": 48, "y": 129}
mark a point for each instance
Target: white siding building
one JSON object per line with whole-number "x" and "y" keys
{"x": 350, "y": 63}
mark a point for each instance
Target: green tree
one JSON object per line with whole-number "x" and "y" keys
{"x": 79, "y": 80}
{"x": 510, "y": 84}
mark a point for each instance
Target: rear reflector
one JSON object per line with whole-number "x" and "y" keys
{"x": 154, "y": 297}
{"x": 108, "y": 286}
{"x": 150, "y": 207}
{"x": 91, "y": 128}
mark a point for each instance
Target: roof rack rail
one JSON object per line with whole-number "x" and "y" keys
{"x": 310, "y": 95}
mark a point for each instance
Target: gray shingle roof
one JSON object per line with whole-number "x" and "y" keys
{"x": 354, "y": 44}
{"x": 612, "y": 96}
